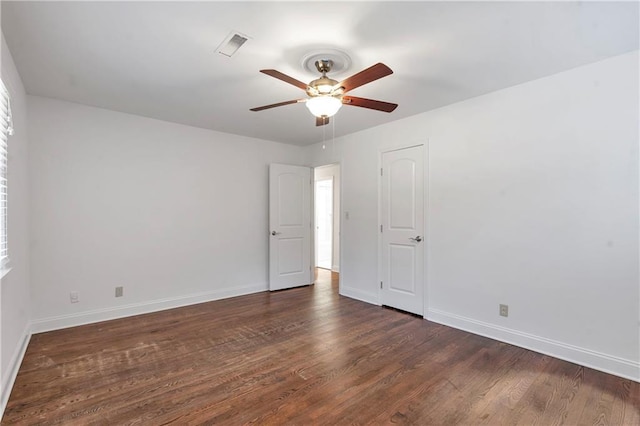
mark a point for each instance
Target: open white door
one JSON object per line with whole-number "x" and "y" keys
{"x": 402, "y": 251}
{"x": 290, "y": 226}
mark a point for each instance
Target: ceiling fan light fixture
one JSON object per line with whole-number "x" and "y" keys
{"x": 324, "y": 106}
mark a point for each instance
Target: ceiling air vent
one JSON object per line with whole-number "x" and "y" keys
{"x": 231, "y": 44}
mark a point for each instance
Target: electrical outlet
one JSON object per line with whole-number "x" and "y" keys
{"x": 504, "y": 310}
{"x": 119, "y": 291}
{"x": 73, "y": 296}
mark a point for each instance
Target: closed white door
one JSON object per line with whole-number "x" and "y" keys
{"x": 290, "y": 226}
{"x": 402, "y": 208}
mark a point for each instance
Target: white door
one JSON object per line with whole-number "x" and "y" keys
{"x": 402, "y": 209}
{"x": 289, "y": 226}
{"x": 324, "y": 223}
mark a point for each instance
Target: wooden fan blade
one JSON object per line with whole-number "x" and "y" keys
{"x": 321, "y": 121}
{"x": 372, "y": 73}
{"x": 277, "y": 105}
{"x": 285, "y": 78}
{"x": 369, "y": 103}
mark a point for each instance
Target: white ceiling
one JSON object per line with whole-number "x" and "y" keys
{"x": 157, "y": 59}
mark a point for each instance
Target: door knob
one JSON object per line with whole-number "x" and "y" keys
{"x": 416, "y": 239}
{"x": 274, "y": 233}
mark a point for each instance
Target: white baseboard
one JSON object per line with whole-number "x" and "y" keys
{"x": 9, "y": 378}
{"x": 361, "y": 295}
{"x": 64, "y": 321}
{"x": 598, "y": 361}
{"x": 335, "y": 268}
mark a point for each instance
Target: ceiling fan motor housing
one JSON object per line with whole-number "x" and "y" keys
{"x": 321, "y": 87}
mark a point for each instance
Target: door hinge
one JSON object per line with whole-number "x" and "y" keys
{"x": 380, "y": 228}
{"x": 380, "y": 171}
{"x": 380, "y": 284}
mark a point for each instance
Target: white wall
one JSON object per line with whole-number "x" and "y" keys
{"x": 175, "y": 214}
{"x": 325, "y": 172}
{"x": 14, "y": 286}
{"x": 532, "y": 202}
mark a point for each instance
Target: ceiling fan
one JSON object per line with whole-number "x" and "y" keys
{"x": 326, "y": 95}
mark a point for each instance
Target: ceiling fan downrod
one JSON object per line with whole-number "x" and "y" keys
{"x": 324, "y": 66}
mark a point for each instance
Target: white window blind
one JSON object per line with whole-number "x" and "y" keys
{"x": 6, "y": 129}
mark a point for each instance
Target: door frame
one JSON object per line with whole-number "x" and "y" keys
{"x": 425, "y": 279}
{"x": 313, "y": 218}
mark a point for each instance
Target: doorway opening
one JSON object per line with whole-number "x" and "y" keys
{"x": 326, "y": 212}
{"x": 324, "y": 223}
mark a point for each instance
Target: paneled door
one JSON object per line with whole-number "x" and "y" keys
{"x": 289, "y": 226}
{"x": 402, "y": 228}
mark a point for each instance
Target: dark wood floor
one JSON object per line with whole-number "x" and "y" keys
{"x": 302, "y": 356}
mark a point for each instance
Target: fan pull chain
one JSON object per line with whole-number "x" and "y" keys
{"x": 333, "y": 138}
{"x": 324, "y": 146}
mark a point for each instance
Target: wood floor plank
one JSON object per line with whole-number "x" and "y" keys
{"x": 301, "y": 356}
{"x": 498, "y": 404}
